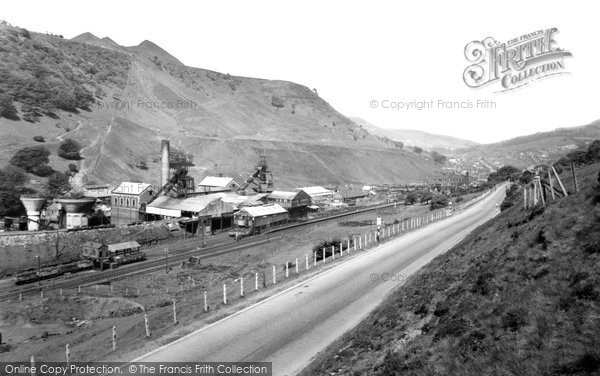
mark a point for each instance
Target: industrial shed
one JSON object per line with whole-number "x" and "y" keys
{"x": 296, "y": 203}
{"x": 218, "y": 184}
{"x": 260, "y": 218}
{"x": 350, "y": 197}
{"x": 210, "y": 207}
{"x": 318, "y": 195}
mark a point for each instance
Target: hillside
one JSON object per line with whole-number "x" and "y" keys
{"x": 534, "y": 149}
{"x": 119, "y": 102}
{"x": 519, "y": 296}
{"x": 412, "y": 137}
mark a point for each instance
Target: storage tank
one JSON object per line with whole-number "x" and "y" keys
{"x": 33, "y": 205}
{"x": 77, "y": 210}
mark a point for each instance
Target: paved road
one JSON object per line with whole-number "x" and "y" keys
{"x": 288, "y": 329}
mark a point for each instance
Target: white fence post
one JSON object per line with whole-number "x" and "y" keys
{"x": 224, "y": 293}
{"x": 274, "y": 275}
{"x": 255, "y": 281}
{"x": 287, "y": 269}
{"x": 174, "y": 313}
{"x": 114, "y": 338}
{"x": 147, "y": 325}
{"x": 242, "y": 287}
{"x": 205, "y": 302}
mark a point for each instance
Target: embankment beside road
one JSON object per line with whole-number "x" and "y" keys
{"x": 520, "y": 296}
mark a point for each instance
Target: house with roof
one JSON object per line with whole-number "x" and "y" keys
{"x": 126, "y": 201}
{"x": 211, "y": 184}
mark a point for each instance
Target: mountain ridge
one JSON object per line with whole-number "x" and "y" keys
{"x": 154, "y": 96}
{"x": 413, "y": 137}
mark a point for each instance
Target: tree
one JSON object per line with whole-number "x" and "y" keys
{"x": 526, "y": 177}
{"x": 438, "y": 202}
{"x": 417, "y": 150}
{"x": 58, "y": 184}
{"x": 579, "y": 157}
{"x": 505, "y": 173}
{"x": 277, "y": 102}
{"x": 30, "y": 158}
{"x": 593, "y": 152}
{"x": 69, "y": 149}
{"x": 12, "y": 186}
{"x": 30, "y": 113}
{"x": 43, "y": 171}
{"x": 437, "y": 157}
{"x": 7, "y": 108}
{"x": 411, "y": 198}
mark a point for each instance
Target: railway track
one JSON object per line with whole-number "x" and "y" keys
{"x": 176, "y": 254}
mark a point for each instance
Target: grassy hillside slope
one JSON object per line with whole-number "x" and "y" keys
{"x": 119, "y": 102}
{"x": 413, "y": 137}
{"x": 534, "y": 149}
{"x": 519, "y": 296}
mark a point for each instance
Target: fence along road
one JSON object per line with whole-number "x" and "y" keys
{"x": 291, "y": 327}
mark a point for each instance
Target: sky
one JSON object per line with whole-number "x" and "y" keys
{"x": 363, "y": 57}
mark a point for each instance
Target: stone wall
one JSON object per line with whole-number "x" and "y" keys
{"x": 19, "y": 251}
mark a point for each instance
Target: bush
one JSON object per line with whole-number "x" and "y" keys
{"x": 452, "y": 328}
{"x": 277, "y": 102}
{"x": 73, "y": 168}
{"x": 30, "y": 158}
{"x": 69, "y": 149}
{"x": 437, "y": 157}
{"x": 417, "y": 150}
{"x": 39, "y": 138}
{"x": 438, "y": 203}
{"x": 12, "y": 180}
{"x": 514, "y": 319}
{"x": 43, "y": 171}
{"x": 58, "y": 184}
{"x": 7, "y": 108}
{"x": 327, "y": 244}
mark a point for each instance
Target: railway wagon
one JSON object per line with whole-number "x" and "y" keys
{"x": 51, "y": 271}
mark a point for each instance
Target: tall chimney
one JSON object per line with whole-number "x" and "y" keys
{"x": 164, "y": 163}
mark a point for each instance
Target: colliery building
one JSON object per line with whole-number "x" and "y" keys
{"x": 260, "y": 218}
{"x": 448, "y": 180}
{"x": 296, "y": 203}
{"x": 127, "y": 200}
{"x": 318, "y": 195}
{"x": 211, "y": 184}
{"x": 210, "y": 207}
